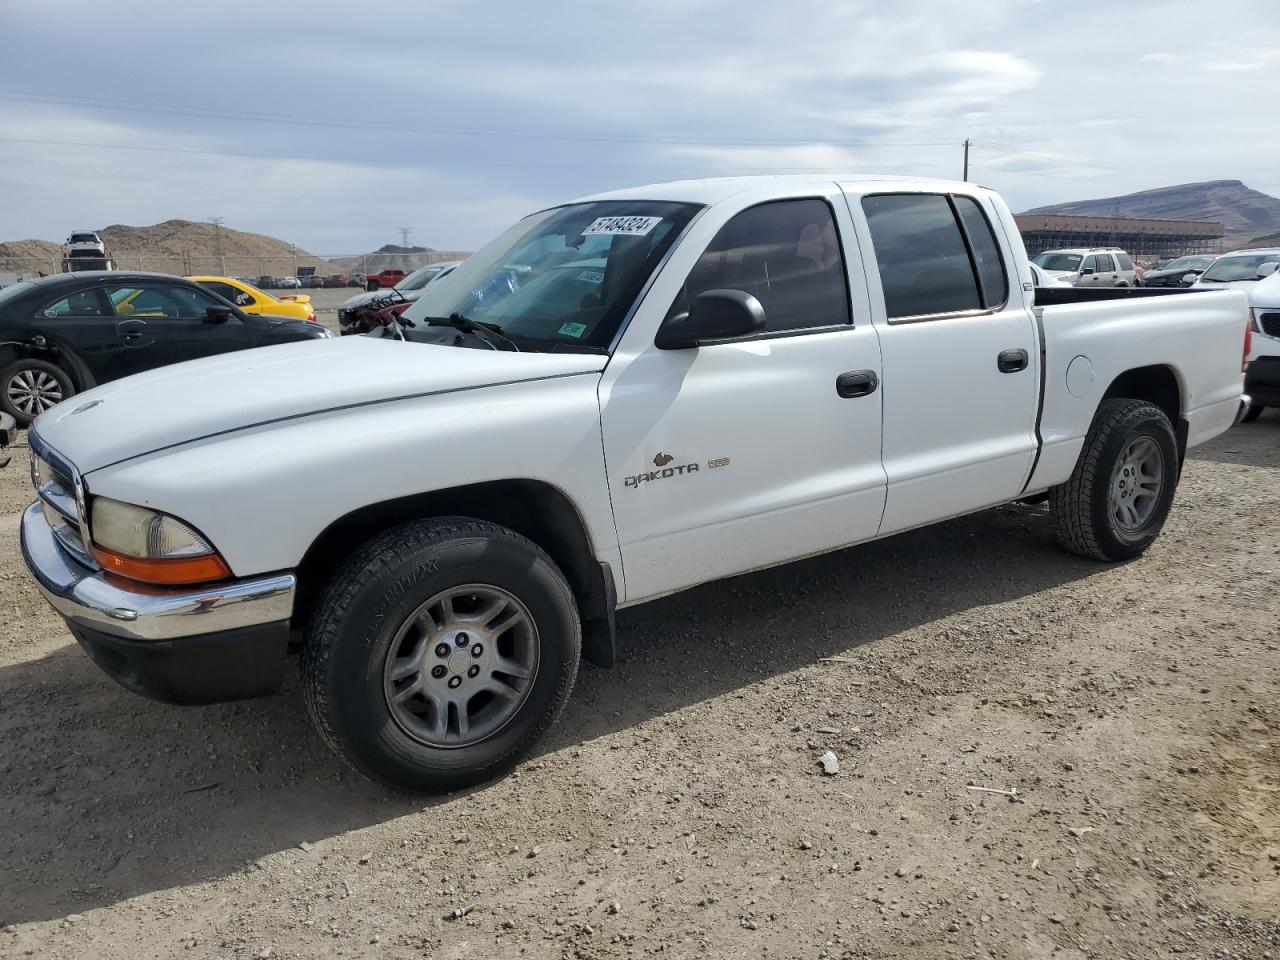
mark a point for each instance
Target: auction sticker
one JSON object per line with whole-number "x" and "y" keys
{"x": 621, "y": 226}
{"x": 573, "y": 329}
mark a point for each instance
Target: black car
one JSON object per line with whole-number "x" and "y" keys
{"x": 60, "y": 335}
{"x": 1175, "y": 272}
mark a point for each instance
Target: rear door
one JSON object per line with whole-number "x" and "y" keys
{"x": 1106, "y": 275}
{"x": 736, "y": 455}
{"x": 160, "y": 323}
{"x": 961, "y": 357}
{"x": 81, "y": 324}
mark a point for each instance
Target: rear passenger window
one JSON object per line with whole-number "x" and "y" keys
{"x": 924, "y": 264}
{"x": 787, "y": 255}
{"x": 986, "y": 253}
{"x": 1105, "y": 264}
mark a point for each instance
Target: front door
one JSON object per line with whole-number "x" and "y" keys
{"x": 159, "y": 323}
{"x": 961, "y": 358}
{"x": 729, "y": 457}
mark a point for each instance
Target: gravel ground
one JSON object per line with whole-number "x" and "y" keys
{"x": 679, "y": 808}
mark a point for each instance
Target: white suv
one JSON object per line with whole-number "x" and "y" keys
{"x": 1089, "y": 266}
{"x": 85, "y": 243}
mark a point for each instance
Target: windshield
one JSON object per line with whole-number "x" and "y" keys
{"x": 566, "y": 276}
{"x": 1188, "y": 263}
{"x": 83, "y": 238}
{"x": 1066, "y": 262}
{"x": 1242, "y": 267}
{"x": 419, "y": 278}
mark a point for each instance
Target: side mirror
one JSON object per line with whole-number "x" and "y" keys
{"x": 1087, "y": 272}
{"x": 715, "y": 316}
{"x": 1267, "y": 269}
{"x": 219, "y": 314}
{"x": 1190, "y": 277}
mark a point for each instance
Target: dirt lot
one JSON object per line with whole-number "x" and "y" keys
{"x": 679, "y": 809}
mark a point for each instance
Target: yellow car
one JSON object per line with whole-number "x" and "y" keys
{"x": 252, "y": 300}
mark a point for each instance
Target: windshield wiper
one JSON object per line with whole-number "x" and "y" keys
{"x": 490, "y": 333}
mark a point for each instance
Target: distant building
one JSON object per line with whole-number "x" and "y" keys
{"x": 1139, "y": 237}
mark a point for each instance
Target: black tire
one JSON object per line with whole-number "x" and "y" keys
{"x": 360, "y": 615}
{"x": 16, "y": 380}
{"x": 1083, "y": 506}
{"x": 1252, "y": 413}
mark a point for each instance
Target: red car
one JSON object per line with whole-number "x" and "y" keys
{"x": 387, "y": 278}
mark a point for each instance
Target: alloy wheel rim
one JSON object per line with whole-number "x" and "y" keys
{"x": 461, "y": 666}
{"x": 1136, "y": 484}
{"x": 34, "y": 391}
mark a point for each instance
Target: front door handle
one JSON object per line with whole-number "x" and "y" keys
{"x": 857, "y": 383}
{"x": 1011, "y": 361}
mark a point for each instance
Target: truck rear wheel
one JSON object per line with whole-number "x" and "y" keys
{"x": 440, "y": 653}
{"x": 1120, "y": 492}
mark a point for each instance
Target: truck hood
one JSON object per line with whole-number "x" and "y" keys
{"x": 190, "y": 401}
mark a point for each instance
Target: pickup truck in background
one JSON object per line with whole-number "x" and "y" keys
{"x": 1262, "y": 380}
{"x": 383, "y": 278}
{"x": 617, "y": 399}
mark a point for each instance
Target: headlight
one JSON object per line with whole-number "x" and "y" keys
{"x": 145, "y": 545}
{"x": 41, "y": 472}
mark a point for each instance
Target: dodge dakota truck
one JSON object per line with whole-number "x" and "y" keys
{"x": 616, "y": 399}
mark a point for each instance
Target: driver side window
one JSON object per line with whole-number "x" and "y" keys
{"x": 159, "y": 302}
{"x": 786, "y": 254}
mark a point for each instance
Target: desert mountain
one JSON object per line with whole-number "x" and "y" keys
{"x": 175, "y": 246}
{"x": 1244, "y": 212}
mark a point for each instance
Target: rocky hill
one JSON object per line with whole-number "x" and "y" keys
{"x": 1244, "y": 212}
{"x": 175, "y": 246}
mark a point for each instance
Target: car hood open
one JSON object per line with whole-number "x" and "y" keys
{"x": 201, "y": 398}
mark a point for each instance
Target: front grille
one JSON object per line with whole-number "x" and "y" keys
{"x": 1270, "y": 323}
{"x": 61, "y": 494}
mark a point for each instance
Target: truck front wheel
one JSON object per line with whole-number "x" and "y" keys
{"x": 440, "y": 653}
{"x": 1120, "y": 492}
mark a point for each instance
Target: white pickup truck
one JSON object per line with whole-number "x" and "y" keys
{"x": 616, "y": 399}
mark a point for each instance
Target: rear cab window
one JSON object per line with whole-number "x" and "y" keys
{"x": 937, "y": 255}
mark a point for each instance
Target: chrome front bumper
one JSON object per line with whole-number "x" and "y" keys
{"x": 92, "y": 599}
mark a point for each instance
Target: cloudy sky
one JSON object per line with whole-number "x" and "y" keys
{"x": 331, "y": 125}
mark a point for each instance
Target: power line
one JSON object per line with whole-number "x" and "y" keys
{"x": 220, "y": 113}
{"x": 383, "y": 161}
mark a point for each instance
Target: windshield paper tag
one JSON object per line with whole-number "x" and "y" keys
{"x": 621, "y": 226}
{"x": 573, "y": 329}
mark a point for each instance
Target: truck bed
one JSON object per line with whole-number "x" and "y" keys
{"x": 1051, "y": 296}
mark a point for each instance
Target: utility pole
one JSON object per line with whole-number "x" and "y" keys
{"x": 404, "y": 236}
{"x": 967, "y": 143}
{"x": 217, "y": 242}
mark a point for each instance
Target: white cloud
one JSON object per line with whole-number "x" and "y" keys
{"x": 1158, "y": 58}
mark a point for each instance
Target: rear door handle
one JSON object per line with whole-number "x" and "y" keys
{"x": 857, "y": 383}
{"x": 1011, "y": 361}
